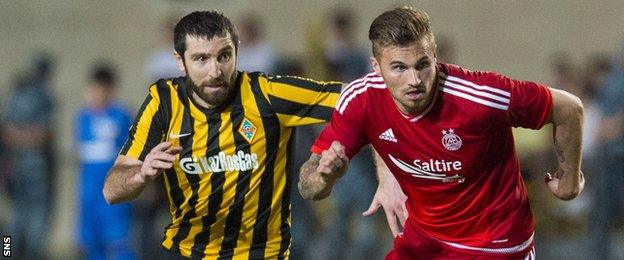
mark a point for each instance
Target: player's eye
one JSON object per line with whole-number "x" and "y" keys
{"x": 224, "y": 57}
{"x": 399, "y": 68}
{"x": 422, "y": 65}
{"x": 201, "y": 58}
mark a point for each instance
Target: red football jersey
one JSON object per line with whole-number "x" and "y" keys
{"x": 456, "y": 161}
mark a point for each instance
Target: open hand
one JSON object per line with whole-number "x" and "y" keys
{"x": 160, "y": 158}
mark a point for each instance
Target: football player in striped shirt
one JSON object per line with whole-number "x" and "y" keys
{"x": 221, "y": 140}
{"x": 445, "y": 134}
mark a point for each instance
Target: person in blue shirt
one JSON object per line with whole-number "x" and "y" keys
{"x": 101, "y": 127}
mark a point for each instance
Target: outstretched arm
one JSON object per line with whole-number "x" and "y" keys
{"x": 567, "y": 118}
{"x": 320, "y": 172}
{"x": 389, "y": 196}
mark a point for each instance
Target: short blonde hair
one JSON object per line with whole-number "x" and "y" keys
{"x": 399, "y": 27}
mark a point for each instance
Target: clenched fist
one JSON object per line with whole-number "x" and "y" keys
{"x": 333, "y": 163}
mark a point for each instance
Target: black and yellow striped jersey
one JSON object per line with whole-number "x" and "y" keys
{"x": 229, "y": 193}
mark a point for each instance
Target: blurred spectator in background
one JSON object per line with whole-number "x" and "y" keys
{"x": 161, "y": 63}
{"x": 608, "y": 208}
{"x": 445, "y": 47}
{"x": 592, "y": 78}
{"x": 565, "y": 74}
{"x": 345, "y": 59}
{"x": 100, "y": 127}
{"x": 26, "y": 134}
{"x": 42, "y": 68}
{"x": 255, "y": 53}
{"x": 4, "y": 177}
{"x": 346, "y": 226}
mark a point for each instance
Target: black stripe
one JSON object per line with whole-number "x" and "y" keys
{"x": 164, "y": 91}
{"x": 188, "y": 126}
{"x": 272, "y": 132}
{"x": 132, "y": 130}
{"x": 284, "y": 106}
{"x": 216, "y": 181}
{"x": 285, "y": 227}
{"x": 160, "y": 120}
{"x": 235, "y": 214}
{"x": 334, "y": 87}
{"x": 176, "y": 193}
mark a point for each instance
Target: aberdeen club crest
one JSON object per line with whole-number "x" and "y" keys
{"x": 450, "y": 140}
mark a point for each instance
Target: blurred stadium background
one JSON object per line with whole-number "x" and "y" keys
{"x": 575, "y": 45}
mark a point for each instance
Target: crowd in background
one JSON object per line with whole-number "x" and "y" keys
{"x": 590, "y": 226}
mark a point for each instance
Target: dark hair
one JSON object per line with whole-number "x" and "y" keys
{"x": 205, "y": 24}
{"x": 399, "y": 27}
{"x": 104, "y": 75}
{"x": 342, "y": 19}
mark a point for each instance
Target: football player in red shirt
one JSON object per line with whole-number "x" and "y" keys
{"x": 445, "y": 134}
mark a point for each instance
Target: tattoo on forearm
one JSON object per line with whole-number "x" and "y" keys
{"x": 306, "y": 170}
{"x": 307, "y": 187}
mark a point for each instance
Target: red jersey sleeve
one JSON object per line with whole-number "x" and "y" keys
{"x": 346, "y": 128}
{"x": 530, "y": 104}
{"x": 527, "y": 104}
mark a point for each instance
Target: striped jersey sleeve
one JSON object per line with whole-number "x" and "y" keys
{"x": 147, "y": 130}
{"x": 526, "y": 104}
{"x": 348, "y": 121}
{"x": 299, "y": 101}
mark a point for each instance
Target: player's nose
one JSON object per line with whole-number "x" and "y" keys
{"x": 214, "y": 70}
{"x": 414, "y": 77}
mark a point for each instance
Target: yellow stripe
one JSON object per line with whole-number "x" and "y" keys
{"x": 226, "y": 142}
{"x": 290, "y": 119}
{"x": 302, "y": 95}
{"x": 143, "y": 126}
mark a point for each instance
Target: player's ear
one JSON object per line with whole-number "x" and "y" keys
{"x": 180, "y": 61}
{"x": 375, "y": 65}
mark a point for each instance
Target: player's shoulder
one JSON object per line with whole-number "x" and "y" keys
{"x": 478, "y": 86}
{"x": 167, "y": 84}
{"x": 249, "y": 79}
{"x": 254, "y": 74}
{"x": 474, "y": 90}
{"x": 360, "y": 91}
{"x": 455, "y": 73}
{"x": 481, "y": 88}
{"x": 304, "y": 83}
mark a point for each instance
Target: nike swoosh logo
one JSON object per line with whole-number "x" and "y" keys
{"x": 175, "y": 136}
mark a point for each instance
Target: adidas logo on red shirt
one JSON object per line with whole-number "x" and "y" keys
{"x": 388, "y": 135}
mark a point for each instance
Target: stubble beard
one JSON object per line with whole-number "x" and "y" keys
{"x": 418, "y": 106}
